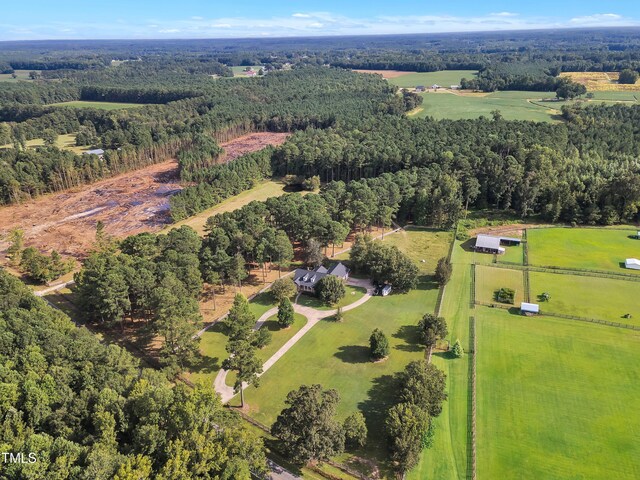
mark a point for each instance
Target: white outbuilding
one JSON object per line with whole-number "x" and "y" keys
{"x": 529, "y": 308}
{"x": 632, "y": 263}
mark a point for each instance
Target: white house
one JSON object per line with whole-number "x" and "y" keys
{"x": 529, "y": 308}
{"x": 632, "y": 263}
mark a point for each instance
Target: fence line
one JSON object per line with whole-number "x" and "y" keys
{"x": 443, "y": 287}
{"x": 471, "y": 404}
{"x": 629, "y": 277}
{"x": 567, "y": 317}
{"x": 525, "y": 248}
{"x": 473, "y": 285}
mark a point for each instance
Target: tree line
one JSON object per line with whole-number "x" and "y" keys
{"x": 88, "y": 410}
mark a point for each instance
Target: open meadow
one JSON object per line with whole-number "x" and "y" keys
{"x": 583, "y": 248}
{"x": 98, "y": 105}
{"x": 489, "y": 280}
{"x": 555, "y": 399}
{"x": 444, "y": 78}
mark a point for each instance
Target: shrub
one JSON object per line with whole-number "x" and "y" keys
{"x": 330, "y": 289}
{"x": 506, "y": 295}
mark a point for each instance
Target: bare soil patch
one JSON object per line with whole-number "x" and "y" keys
{"x": 127, "y": 204}
{"x": 386, "y": 73}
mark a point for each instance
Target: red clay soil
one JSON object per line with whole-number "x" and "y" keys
{"x": 130, "y": 203}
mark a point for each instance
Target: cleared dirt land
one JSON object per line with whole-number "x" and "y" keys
{"x": 130, "y": 203}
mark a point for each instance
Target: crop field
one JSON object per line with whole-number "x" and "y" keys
{"x": 601, "y": 81}
{"x": 588, "y": 297}
{"x": 98, "y": 105}
{"x": 444, "y": 78}
{"x": 586, "y": 248}
{"x": 554, "y": 399}
{"x": 489, "y": 280}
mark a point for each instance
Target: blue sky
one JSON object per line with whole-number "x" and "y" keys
{"x": 82, "y": 19}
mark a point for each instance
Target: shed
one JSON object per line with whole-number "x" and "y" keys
{"x": 96, "y": 151}
{"x": 420, "y": 88}
{"x": 529, "y": 308}
{"x": 632, "y": 263}
{"x": 488, "y": 244}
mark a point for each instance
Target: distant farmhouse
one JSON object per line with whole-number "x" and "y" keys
{"x": 435, "y": 86}
{"x": 306, "y": 280}
{"x": 491, "y": 244}
{"x": 420, "y": 88}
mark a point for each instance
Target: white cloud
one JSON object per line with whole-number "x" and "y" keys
{"x": 316, "y": 25}
{"x": 170, "y": 30}
{"x": 301, "y": 15}
{"x": 197, "y": 18}
{"x": 600, "y": 19}
{"x": 221, "y": 25}
{"x": 504, "y": 14}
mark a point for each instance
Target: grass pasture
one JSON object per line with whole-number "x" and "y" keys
{"x": 21, "y": 75}
{"x": 586, "y": 248}
{"x": 444, "y": 78}
{"x": 490, "y": 279}
{"x": 512, "y": 254}
{"x": 63, "y": 142}
{"x": 98, "y": 105}
{"x": 588, "y": 297}
{"x": 555, "y": 399}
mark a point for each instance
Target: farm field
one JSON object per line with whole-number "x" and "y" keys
{"x": 21, "y": 75}
{"x": 587, "y": 248}
{"x": 490, "y": 279}
{"x": 601, "y": 81}
{"x": 553, "y": 399}
{"x": 588, "y": 297}
{"x": 535, "y": 106}
{"x": 444, "y": 78}
{"x": 98, "y": 105}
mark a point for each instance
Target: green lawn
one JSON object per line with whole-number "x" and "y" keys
{"x": 353, "y": 294}
{"x": 98, "y": 105}
{"x": 279, "y": 336}
{"x": 556, "y": 399}
{"x": 491, "y": 279}
{"x": 447, "y": 458}
{"x": 513, "y": 254}
{"x": 588, "y": 297}
{"x": 63, "y": 142}
{"x": 422, "y": 244}
{"x": 445, "y": 78}
{"x": 589, "y": 248}
{"x": 336, "y": 355}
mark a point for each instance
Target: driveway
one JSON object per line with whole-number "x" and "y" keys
{"x": 313, "y": 317}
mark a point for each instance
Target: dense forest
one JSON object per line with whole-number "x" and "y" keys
{"x": 89, "y": 411}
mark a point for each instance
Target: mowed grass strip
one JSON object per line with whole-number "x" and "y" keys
{"x": 586, "y": 248}
{"x": 556, "y": 399}
{"x": 588, "y": 297}
{"x": 489, "y": 280}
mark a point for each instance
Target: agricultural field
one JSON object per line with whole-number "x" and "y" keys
{"x": 588, "y": 297}
{"x": 99, "y": 105}
{"x": 21, "y": 75}
{"x": 585, "y": 248}
{"x": 601, "y": 81}
{"x": 554, "y": 398}
{"x": 444, "y": 78}
{"x": 490, "y": 279}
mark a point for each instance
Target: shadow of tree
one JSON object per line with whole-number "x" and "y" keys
{"x": 353, "y": 354}
{"x": 410, "y": 334}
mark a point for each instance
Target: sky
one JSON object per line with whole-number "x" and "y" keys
{"x": 138, "y": 19}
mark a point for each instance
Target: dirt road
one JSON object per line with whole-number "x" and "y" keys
{"x": 130, "y": 203}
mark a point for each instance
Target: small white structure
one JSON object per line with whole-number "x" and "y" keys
{"x": 488, "y": 244}
{"x": 529, "y": 308}
{"x": 632, "y": 263}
